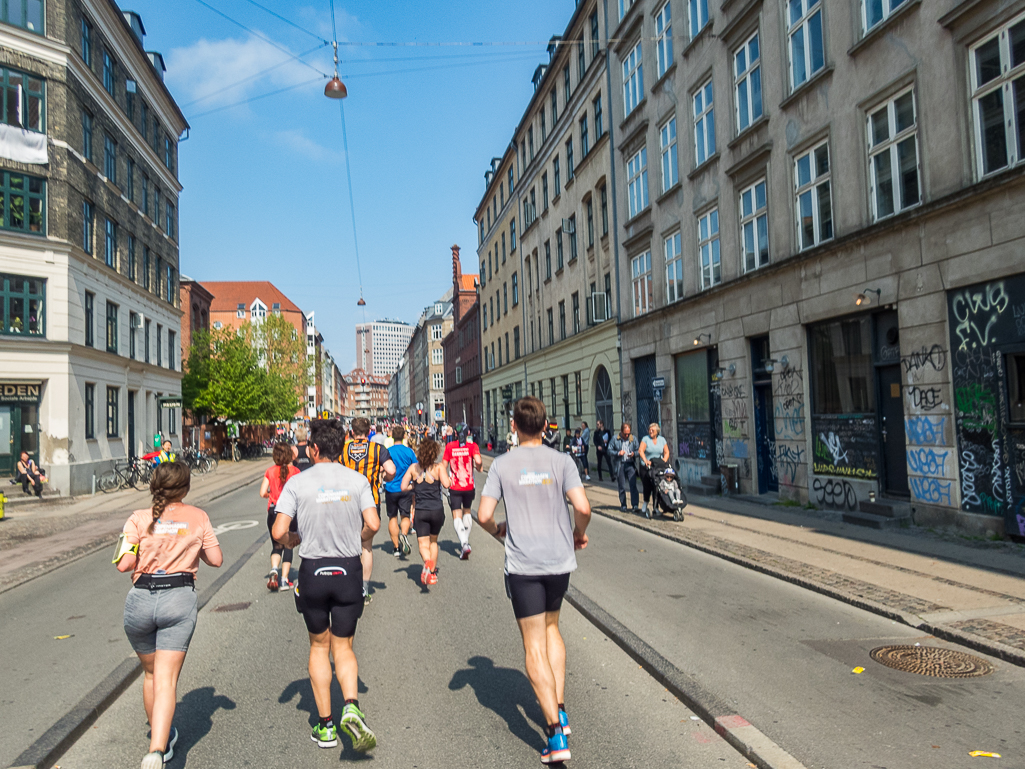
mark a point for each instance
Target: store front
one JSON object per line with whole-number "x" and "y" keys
{"x": 19, "y": 423}
{"x": 698, "y": 421}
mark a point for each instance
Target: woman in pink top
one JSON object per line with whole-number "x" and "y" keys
{"x": 274, "y": 481}
{"x": 167, "y": 542}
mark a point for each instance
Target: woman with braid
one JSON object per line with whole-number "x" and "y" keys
{"x": 162, "y": 547}
{"x": 279, "y": 578}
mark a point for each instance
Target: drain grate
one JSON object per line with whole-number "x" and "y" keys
{"x": 233, "y": 606}
{"x": 931, "y": 661}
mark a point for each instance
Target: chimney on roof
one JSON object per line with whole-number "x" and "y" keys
{"x": 457, "y": 269}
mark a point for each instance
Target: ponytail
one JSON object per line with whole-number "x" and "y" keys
{"x": 282, "y": 458}
{"x": 170, "y": 483}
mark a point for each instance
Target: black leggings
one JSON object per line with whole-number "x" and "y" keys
{"x": 647, "y": 485}
{"x": 284, "y": 552}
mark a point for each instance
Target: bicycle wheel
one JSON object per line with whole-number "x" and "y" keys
{"x": 204, "y": 464}
{"x": 136, "y": 480}
{"x": 108, "y": 482}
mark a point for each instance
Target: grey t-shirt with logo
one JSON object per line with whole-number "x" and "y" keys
{"x": 534, "y": 480}
{"x": 327, "y": 502}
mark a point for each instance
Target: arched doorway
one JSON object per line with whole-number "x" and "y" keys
{"x": 603, "y": 406}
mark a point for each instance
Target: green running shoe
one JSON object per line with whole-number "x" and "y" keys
{"x": 325, "y": 736}
{"x": 355, "y": 723}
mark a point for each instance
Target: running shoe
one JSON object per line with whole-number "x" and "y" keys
{"x": 285, "y": 586}
{"x": 397, "y": 552}
{"x": 355, "y": 723}
{"x": 404, "y": 540}
{"x": 425, "y": 574}
{"x": 432, "y": 578}
{"x": 464, "y": 554}
{"x": 367, "y": 598}
{"x": 325, "y": 736}
{"x": 272, "y": 581}
{"x": 557, "y": 750}
{"x": 154, "y": 760}
{"x": 169, "y": 750}
{"x": 564, "y": 722}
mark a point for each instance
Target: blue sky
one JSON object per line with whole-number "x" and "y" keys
{"x": 265, "y": 193}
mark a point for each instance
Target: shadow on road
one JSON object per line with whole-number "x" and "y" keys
{"x": 195, "y": 714}
{"x": 413, "y": 572}
{"x": 450, "y": 547}
{"x": 308, "y": 704}
{"x": 507, "y": 692}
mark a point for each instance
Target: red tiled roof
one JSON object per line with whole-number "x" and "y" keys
{"x": 229, "y": 294}
{"x": 468, "y": 282}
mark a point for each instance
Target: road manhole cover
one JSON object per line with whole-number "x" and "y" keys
{"x": 233, "y": 606}
{"x": 931, "y": 661}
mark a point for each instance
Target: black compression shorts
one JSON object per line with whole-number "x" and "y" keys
{"x": 330, "y": 595}
{"x": 398, "y": 502}
{"x": 428, "y": 522}
{"x": 461, "y": 500}
{"x": 536, "y": 594}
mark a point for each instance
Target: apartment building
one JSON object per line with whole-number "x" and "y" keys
{"x": 380, "y": 345}
{"x": 366, "y": 395}
{"x": 548, "y": 280}
{"x": 823, "y": 207}
{"x": 427, "y": 361}
{"x": 89, "y": 190}
{"x": 462, "y": 351}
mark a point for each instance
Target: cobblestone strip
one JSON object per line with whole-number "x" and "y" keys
{"x": 1005, "y": 634}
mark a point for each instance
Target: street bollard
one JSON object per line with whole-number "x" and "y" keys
{"x": 94, "y": 484}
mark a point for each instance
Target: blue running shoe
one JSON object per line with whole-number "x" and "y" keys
{"x": 564, "y": 722}
{"x": 557, "y": 750}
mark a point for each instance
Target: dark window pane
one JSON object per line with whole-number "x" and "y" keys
{"x": 994, "y": 137}
{"x": 1017, "y": 36}
{"x": 907, "y": 155}
{"x": 692, "y": 387}
{"x": 987, "y": 61}
{"x": 842, "y": 368}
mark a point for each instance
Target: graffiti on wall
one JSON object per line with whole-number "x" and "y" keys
{"x": 834, "y": 493}
{"x": 787, "y": 454}
{"x": 845, "y": 446}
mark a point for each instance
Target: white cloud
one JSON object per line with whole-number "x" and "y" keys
{"x": 298, "y": 142}
{"x": 205, "y": 74}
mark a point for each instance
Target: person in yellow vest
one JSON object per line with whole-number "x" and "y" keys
{"x": 166, "y": 454}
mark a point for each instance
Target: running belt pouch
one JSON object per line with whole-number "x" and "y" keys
{"x": 123, "y": 548}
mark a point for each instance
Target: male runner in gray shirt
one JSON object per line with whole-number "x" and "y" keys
{"x": 540, "y": 542}
{"x": 335, "y": 511}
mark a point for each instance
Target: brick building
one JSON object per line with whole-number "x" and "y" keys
{"x": 366, "y": 395}
{"x": 462, "y": 351}
{"x": 194, "y": 301}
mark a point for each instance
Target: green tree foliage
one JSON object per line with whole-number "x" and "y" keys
{"x": 196, "y": 375}
{"x": 283, "y": 353}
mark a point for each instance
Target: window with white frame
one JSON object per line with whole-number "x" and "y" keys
{"x": 664, "y": 39}
{"x": 875, "y": 11}
{"x": 814, "y": 204}
{"x": 674, "y": 268}
{"x": 998, "y": 97}
{"x": 436, "y": 332}
{"x": 698, "y": 16}
{"x": 624, "y": 6}
{"x": 747, "y": 76}
{"x": 637, "y": 188}
{"x": 807, "y": 53}
{"x": 754, "y": 226}
{"x": 437, "y": 381}
{"x": 893, "y": 155}
{"x": 633, "y": 80}
{"x": 667, "y": 142}
{"x": 437, "y": 356}
{"x": 708, "y": 249}
{"x": 704, "y": 123}
{"x": 640, "y": 274}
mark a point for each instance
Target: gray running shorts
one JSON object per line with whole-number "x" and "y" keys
{"x": 160, "y": 619}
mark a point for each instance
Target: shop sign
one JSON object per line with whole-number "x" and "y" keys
{"x": 20, "y": 392}
{"x": 170, "y": 403}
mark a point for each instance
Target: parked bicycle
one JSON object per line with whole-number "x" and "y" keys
{"x": 199, "y": 462}
{"x": 132, "y": 473}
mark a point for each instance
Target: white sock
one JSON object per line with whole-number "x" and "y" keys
{"x": 467, "y": 523}
{"x": 460, "y": 530}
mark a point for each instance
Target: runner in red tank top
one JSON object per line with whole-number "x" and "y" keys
{"x": 461, "y": 458}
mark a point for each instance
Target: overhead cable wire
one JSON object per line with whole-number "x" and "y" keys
{"x": 256, "y": 98}
{"x": 290, "y": 23}
{"x": 228, "y": 87}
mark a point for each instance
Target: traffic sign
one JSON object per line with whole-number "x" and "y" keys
{"x": 658, "y": 394}
{"x": 658, "y": 382}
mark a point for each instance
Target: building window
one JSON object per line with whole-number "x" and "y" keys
{"x": 90, "y": 410}
{"x": 22, "y": 303}
{"x": 130, "y": 179}
{"x": 667, "y": 142}
{"x": 754, "y": 224}
{"x": 87, "y": 42}
{"x": 87, "y": 136}
{"x": 599, "y": 122}
{"x": 505, "y": 298}
{"x": 144, "y": 120}
{"x": 624, "y": 6}
{"x": 544, "y": 190}
{"x": 483, "y": 274}
{"x": 664, "y": 39}
{"x": 112, "y": 327}
{"x": 637, "y": 188}
{"x": 89, "y": 307}
{"x": 633, "y": 80}
{"x": 567, "y": 91}
{"x": 548, "y": 260}
{"x": 814, "y": 204}
{"x": 108, "y": 73}
{"x": 842, "y": 379}
{"x": 110, "y": 244}
{"x": 436, "y": 332}
{"x": 22, "y": 202}
{"x": 575, "y": 298}
{"x": 708, "y": 248}
{"x": 510, "y": 182}
{"x": 437, "y": 356}
{"x": 544, "y": 126}
{"x": 169, "y": 219}
{"x": 590, "y": 223}
{"x": 573, "y": 237}
{"x": 604, "y": 210}
{"x": 569, "y": 158}
{"x": 698, "y": 16}
{"x": 558, "y": 179}
{"x": 171, "y": 288}
{"x": 21, "y": 100}
{"x": 168, "y": 153}
{"x": 581, "y": 63}
{"x": 551, "y": 327}
{"x": 459, "y": 374}
{"x": 747, "y": 75}
{"x": 998, "y": 97}
{"x": 516, "y": 342}
{"x": 145, "y": 194}
{"x": 559, "y": 261}
{"x": 640, "y": 275}
{"x": 893, "y": 156}
{"x": 874, "y": 11}
{"x": 530, "y": 141}
{"x": 674, "y": 268}
{"x": 113, "y": 401}
{"x": 146, "y": 337}
{"x": 133, "y": 322}
{"x": 807, "y": 55}
{"x": 171, "y": 336}
{"x": 512, "y": 231}
{"x": 555, "y": 108}
{"x": 172, "y": 421}
{"x": 595, "y": 44}
{"x": 562, "y": 320}
{"x": 87, "y": 227}
{"x": 160, "y": 345}
{"x": 585, "y": 141}
{"x": 579, "y": 393}
{"x": 145, "y": 268}
{"x": 704, "y": 123}
{"x": 515, "y": 289}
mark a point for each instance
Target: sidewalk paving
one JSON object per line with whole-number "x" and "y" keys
{"x": 37, "y": 537}
{"x": 966, "y": 590}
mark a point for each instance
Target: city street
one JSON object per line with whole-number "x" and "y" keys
{"x": 441, "y": 671}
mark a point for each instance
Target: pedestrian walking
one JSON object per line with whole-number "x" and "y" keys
{"x": 335, "y": 512}
{"x": 653, "y": 446}
{"x": 540, "y": 540}
{"x": 162, "y": 547}
{"x": 585, "y": 437}
{"x": 624, "y": 449}
{"x": 425, "y": 479}
{"x": 399, "y": 503}
{"x": 601, "y": 438}
{"x": 461, "y": 458}
{"x": 270, "y": 489}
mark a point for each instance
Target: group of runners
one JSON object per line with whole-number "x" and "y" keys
{"x": 324, "y": 499}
